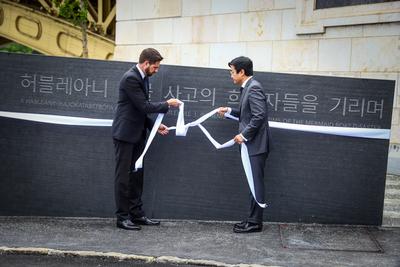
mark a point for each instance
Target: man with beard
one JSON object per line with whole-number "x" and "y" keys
{"x": 129, "y": 132}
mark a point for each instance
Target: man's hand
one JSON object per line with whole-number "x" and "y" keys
{"x": 163, "y": 130}
{"x": 238, "y": 139}
{"x": 222, "y": 111}
{"x": 173, "y": 102}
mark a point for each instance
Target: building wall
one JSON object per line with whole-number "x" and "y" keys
{"x": 209, "y": 33}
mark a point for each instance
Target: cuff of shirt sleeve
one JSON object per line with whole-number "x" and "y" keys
{"x": 243, "y": 137}
{"x": 229, "y": 110}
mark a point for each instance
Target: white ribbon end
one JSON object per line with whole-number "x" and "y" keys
{"x": 262, "y": 205}
{"x": 137, "y": 167}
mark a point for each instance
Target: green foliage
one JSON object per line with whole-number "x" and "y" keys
{"x": 72, "y": 11}
{"x": 16, "y": 48}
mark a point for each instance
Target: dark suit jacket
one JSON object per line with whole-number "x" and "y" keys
{"x": 131, "y": 119}
{"x": 253, "y": 118}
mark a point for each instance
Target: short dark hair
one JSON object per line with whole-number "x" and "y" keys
{"x": 151, "y": 55}
{"x": 242, "y": 63}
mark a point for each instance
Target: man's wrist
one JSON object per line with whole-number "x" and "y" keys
{"x": 243, "y": 137}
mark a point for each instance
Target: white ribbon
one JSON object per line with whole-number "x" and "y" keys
{"x": 181, "y": 130}
{"x": 342, "y": 131}
{"x": 56, "y": 119}
{"x": 249, "y": 174}
{"x": 80, "y": 121}
{"x": 139, "y": 161}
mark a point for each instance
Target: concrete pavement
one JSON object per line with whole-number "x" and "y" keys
{"x": 75, "y": 241}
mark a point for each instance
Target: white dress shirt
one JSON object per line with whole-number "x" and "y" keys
{"x": 140, "y": 71}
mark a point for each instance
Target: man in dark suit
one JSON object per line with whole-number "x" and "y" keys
{"x": 129, "y": 131}
{"x": 254, "y": 132}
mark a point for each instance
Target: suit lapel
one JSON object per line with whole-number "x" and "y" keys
{"x": 244, "y": 94}
{"x": 142, "y": 83}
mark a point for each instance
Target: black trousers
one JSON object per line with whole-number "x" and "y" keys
{"x": 128, "y": 185}
{"x": 257, "y": 163}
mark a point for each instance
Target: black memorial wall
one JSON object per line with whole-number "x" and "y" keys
{"x": 65, "y": 170}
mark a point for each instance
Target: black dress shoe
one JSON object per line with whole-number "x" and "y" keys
{"x": 145, "y": 221}
{"x": 249, "y": 228}
{"x": 240, "y": 225}
{"x": 127, "y": 225}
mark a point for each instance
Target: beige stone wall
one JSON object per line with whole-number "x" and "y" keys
{"x": 209, "y": 33}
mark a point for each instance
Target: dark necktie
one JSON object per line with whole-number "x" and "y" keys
{"x": 241, "y": 90}
{"x": 146, "y": 84}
